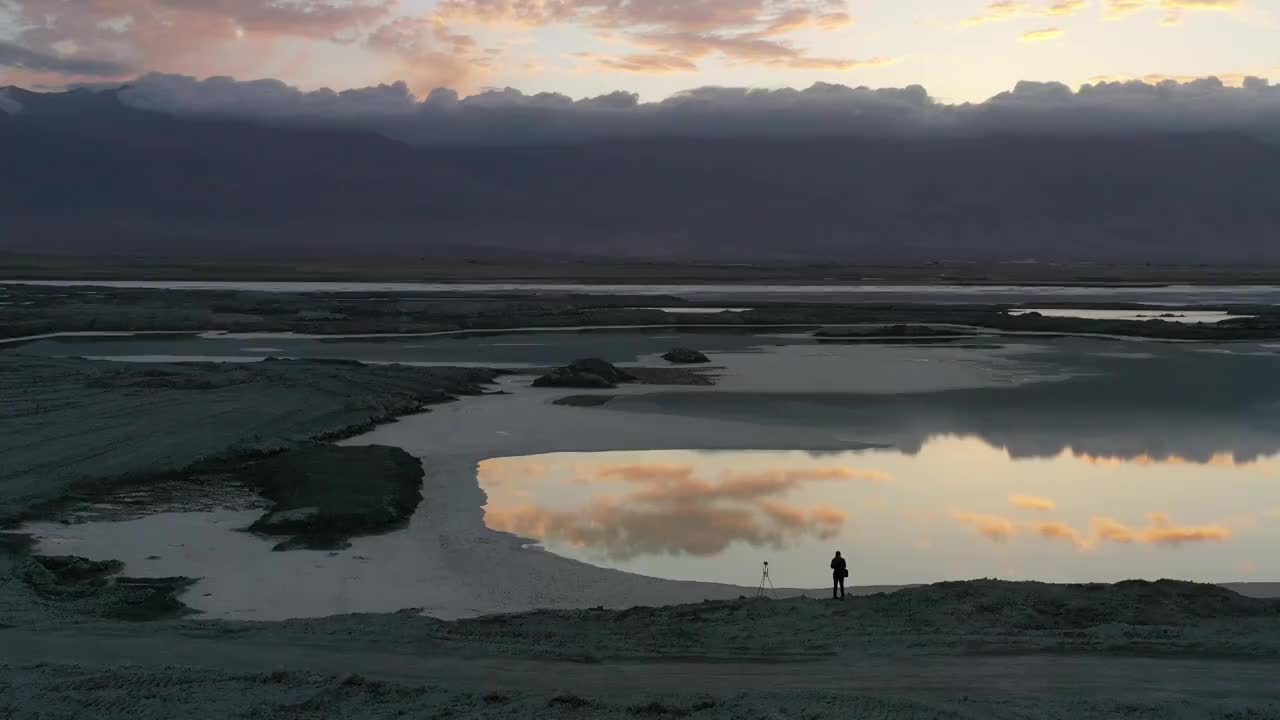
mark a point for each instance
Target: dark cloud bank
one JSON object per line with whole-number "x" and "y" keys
{"x": 1115, "y": 171}
{"x": 511, "y": 117}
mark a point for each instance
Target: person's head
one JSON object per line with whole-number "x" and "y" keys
{"x": 837, "y": 553}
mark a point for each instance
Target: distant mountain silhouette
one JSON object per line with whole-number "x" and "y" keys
{"x": 84, "y": 173}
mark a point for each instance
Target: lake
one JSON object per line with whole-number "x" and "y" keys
{"x": 1068, "y": 459}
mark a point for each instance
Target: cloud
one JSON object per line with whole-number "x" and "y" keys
{"x": 679, "y": 34}
{"x": 1160, "y": 530}
{"x": 668, "y": 509}
{"x": 622, "y": 534}
{"x": 502, "y": 470}
{"x": 801, "y": 475}
{"x": 646, "y": 472}
{"x": 15, "y": 56}
{"x": 1067, "y": 7}
{"x": 643, "y": 63}
{"x": 511, "y": 117}
{"x": 1174, "y": 9}
{"x": 828, "y": 515}
{"x": 1121, "y": 8}
{"x": 997, "y": 11}
{"x": 181, "y": 35}
{"x": 1062, "y": 531}
{"x": 1112, "y": 530}
{"x": 1029, "y": 502}
{"x": 429, "y": 50}
{"x": 994, "y": 527}
{"x": 1042, "y": 35}
{"x": 1163, "y": 531}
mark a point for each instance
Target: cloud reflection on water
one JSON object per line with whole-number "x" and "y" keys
{"x": 1160, "y": 530}
{"x": 670, "y": 508}
{"x": 959, "y": 502}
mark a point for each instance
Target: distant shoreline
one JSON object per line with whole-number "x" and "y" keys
{"x": 588, "y": 271}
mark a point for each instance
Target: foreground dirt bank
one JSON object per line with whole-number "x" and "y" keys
{"x": 982, "y": 649}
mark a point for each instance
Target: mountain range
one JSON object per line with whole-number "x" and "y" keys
{"x": 83, "y": 172}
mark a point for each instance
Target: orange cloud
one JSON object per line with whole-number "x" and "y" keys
{"x": 185, "y": 36}
{"x": 1163, "y": 530}
{"x": 1112, "y": 530}
{"x": 500, "y": 470}
{"x": 1120, "y": 8}
{"x": 645, "y": 472}
{"x": 783, "y": 514}
{"x": 679, "y": 33}
{"x": 622, "y": 533}
{"x": 1062, "y": 531}
{"x": 1174, "y": 9}
{"x": 801, "y": 475}
{"x": 643, "y": 63}
{"x": 1029, "y": 502}
{"x": 1067, "y": 7}
{"x": 994, "y": 527}
{"x": 1042, "y": 35}
{"x": 668, "y": 509}
{"x": 1160, "y": 530}
{"x": 623, "y": 529}
{"x": 828, "y": 515}
{"x": 998, "y": 10}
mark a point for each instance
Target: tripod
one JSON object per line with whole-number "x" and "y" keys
{"x": 765, "y": 580}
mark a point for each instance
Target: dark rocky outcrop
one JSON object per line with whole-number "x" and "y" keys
{"x": 585, "y": 373}
{"x": 685, "y": 356}
{"x": 604, "y": 369}
{"x": 584, "y": 400}
{"x": 324, "y": 494}
{"x": 90, "y": 587}
{"x": 568, "y": 378}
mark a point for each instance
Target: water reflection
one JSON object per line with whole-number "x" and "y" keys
{"x": 688, "y": 507}
{"x": 1178, "y": 316}
{"x": 960, "y": 507}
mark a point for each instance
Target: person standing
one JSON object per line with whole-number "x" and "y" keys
{"x": 839, "y": 571}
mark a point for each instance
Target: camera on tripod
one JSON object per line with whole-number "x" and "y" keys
{"x": 766, "y": 580}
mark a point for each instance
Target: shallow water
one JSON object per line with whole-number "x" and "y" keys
{"x": 957, "y": 508}
{"x": 906, "y": 458}
{"x": 1180, "y": 316}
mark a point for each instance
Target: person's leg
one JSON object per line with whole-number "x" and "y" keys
{"x": 841, "y": 588}
{"x": 835, "y": 585}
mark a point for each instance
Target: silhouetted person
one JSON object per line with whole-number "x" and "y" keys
{"x": 838, "y": 573}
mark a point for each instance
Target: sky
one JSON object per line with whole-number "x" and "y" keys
{"x": 959, "y": 50}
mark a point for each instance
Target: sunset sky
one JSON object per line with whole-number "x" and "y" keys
{"x": 960, "y": 50}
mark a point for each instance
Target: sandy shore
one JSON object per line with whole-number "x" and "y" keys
{"x": 963, "y": 650}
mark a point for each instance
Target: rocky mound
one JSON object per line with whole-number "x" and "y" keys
{"x": 324, "y": 494}
{"x": 585, "y": 373}
{"x": 91, "y": 588}
{"x": 685, "y": 356}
